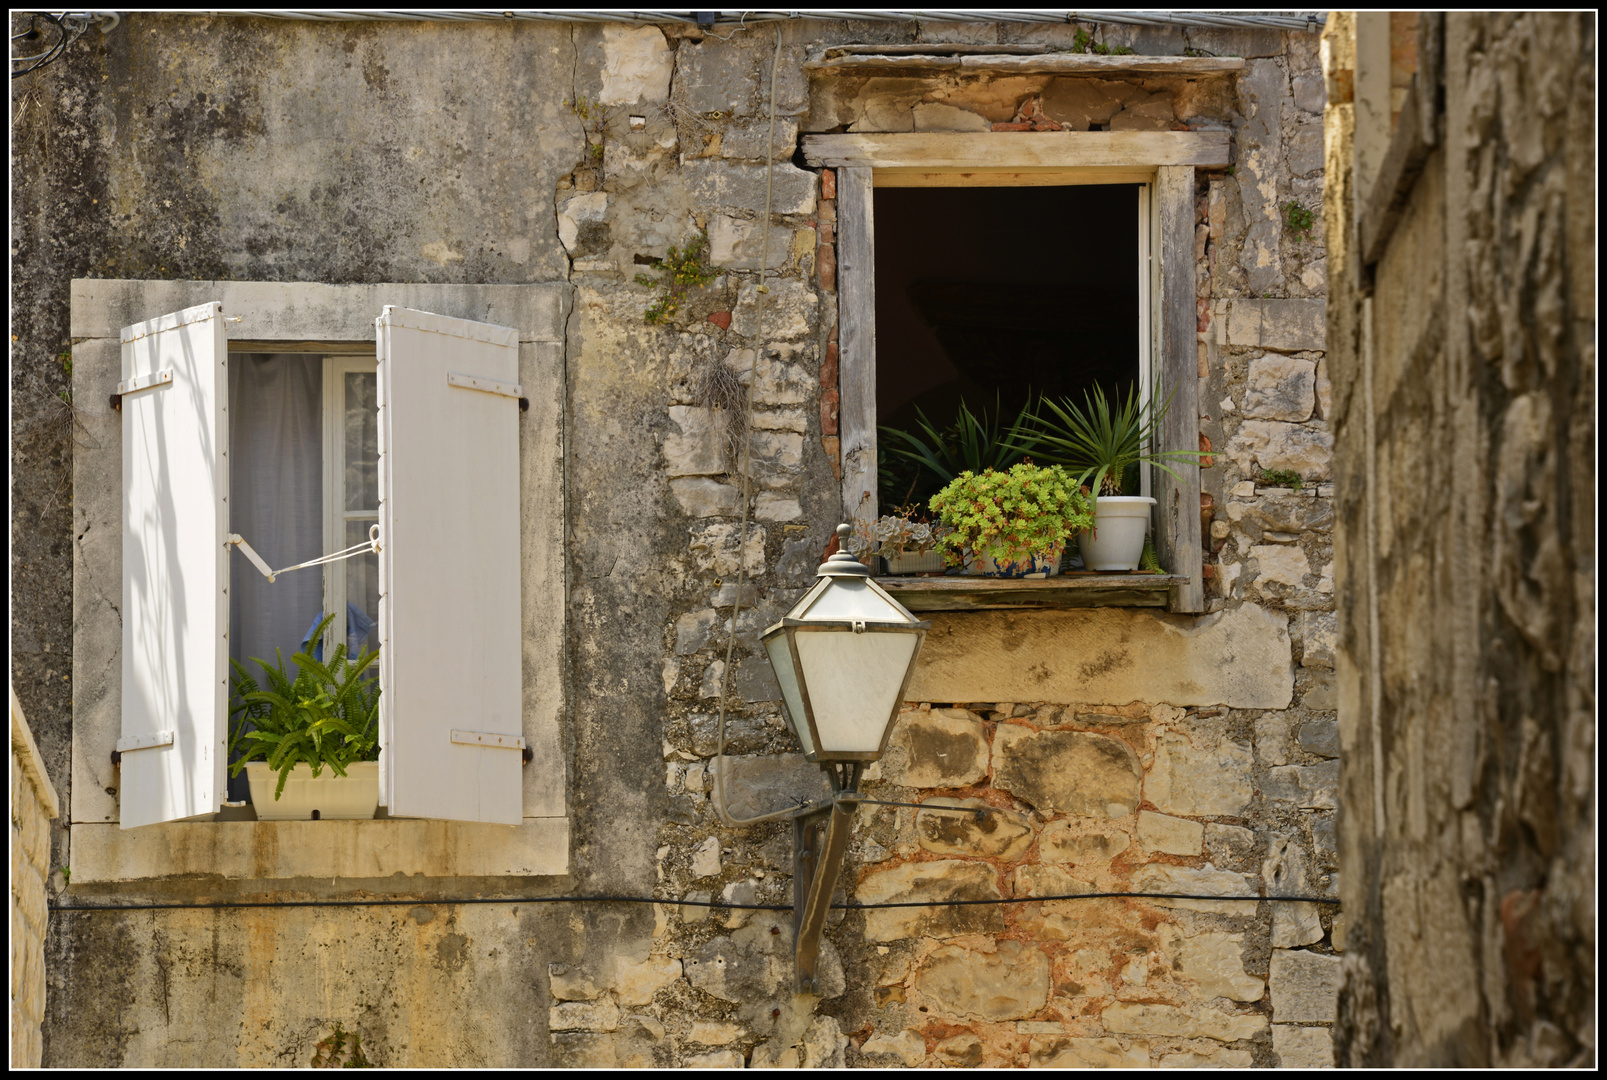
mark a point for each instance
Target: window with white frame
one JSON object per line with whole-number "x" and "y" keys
{"x": 297, "y": 453}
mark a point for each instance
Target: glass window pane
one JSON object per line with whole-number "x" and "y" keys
{"x": 361, "y": 433}
{"x": 362, "y": 592}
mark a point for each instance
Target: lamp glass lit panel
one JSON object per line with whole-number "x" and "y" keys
{"x": 854, "y": 682}
{"x": 852, "y": 600}
{"x": 775, "y": 646}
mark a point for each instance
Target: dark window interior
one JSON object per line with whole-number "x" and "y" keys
{"x": 998, "y": 292}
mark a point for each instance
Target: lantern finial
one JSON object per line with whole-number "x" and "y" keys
{"x": 843, "y": 564}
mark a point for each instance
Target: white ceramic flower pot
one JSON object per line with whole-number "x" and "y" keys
{"x": 1117, "y": 542}
{"x": 355, "y": 795}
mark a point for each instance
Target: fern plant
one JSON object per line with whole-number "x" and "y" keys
{"x": 328, "y": 714}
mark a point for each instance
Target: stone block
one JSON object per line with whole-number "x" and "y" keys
{"x": 1180, "y": 1022}
{"x": 714, "y": 1034}
{"x": 931, "y": 116}
{"x": 824, "y": 1044}
{"x": 886, "y": 104}
{"x": 1282, "y": 564}
{"x": 1171, "y": 835}
{"x": 566, "y": 984}
{"x": 1303, "y": 1047}
{"x": 1204, "y": 1059}
{"x": 1324, "y": 844}
{"x": 1153, "y": 113}
{"x": 995, "y": 834}
{"x": 1272, "y": 739}
{"x": 1010, "y": 983}
{"x": 1280, "y": 387}
{"x": 1072, "y": 772}
{"x": 772, "y": 507}
{"x": 1080, "y": 103}
{"x": 583, "y": 1016}
{"x": 1320, "y": 737}
{"x": 1304, "y": 154}
{"x": 579, "y": 220}
{"x": 1319, "y": 632}
{"x": 637, "y": 64}
{"x": 1246, "y": 41}
{"x": 719, "y": 1059}
{"x": 1325, "y": 392}
{"x": 706, "y": 859}
{"x": 714, "y": 547}
{"x": 1310, "y": 787}
{"x": 778, "y": 382}
{"x": 1067, "y": 1053}
{"x": 694, "y": 629}
{"x": 789, "y": 313}
{"x": 1214, "y": 961}
{"x": 1285, "y": 325}
{"x": 1207, "y": 881}
{"x": 1294, "y": 925}
{"x": 1059, "y": 843}
{"x": 728, "y": 186}
{"x": 1238, "y": 657}
{"x": 946, "y": 879}
{"x": 1275, "y": 445}
{"x": 1048, "y": 879}
{"x": 717, "y": 76}
{"x": 734, "y": 242}
{"x": 760, "y": 784}
{"x": 943, "y": 748}
{"x": 749, "y": 140}
{"x": 699, "y": 496}
{"x": 1305, "y": 987}
{"x": 635, "y": 984}
{"x": 699, "y": 447}
{"x": 584, "y": 1050}
{"x": 908, "y": 1046}
{"x": 743, "y": 735}
{"x": 959, "y": 1051}
{"x": 1208, "y": 780}
{"x": 1287, "y": 513}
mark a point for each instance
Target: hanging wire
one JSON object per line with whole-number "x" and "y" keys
{"x": 1309, "y": 21}
{"x": 65, "y": 35}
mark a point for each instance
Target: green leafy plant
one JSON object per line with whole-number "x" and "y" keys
{"x": 1283, "y": 478}
{"x": 335, "y": 1052}
{"x": 1028, "y": 508}
{"x": 681, "y": 269}
{"x": 594, "y": 121}
{"x": 1299, "y": 220}
{"x": 1083, "y": 42}
{"x": 66, "y": 874}
{"x": 1105, "y": 444}
{"x": 1148, "y": 560}
{"x": 328, "y": 714}
{"x": 971, "y": 443}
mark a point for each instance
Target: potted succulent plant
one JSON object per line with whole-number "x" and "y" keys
{"x": 909, "y": 544}
{"x": 326, "y": 715}
{"x": 1105, "y": 446}
{"x": 1013, "y": 523}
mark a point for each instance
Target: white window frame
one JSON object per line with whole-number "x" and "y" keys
{"x": 1164, "y": 160}
{"x": 335, "y": 513}
{"x": 312, "y": 318}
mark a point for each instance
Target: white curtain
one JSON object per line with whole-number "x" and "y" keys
{"x": 276, "y": 479}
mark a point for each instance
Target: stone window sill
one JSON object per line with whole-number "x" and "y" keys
{"x": 1073, "y": 590}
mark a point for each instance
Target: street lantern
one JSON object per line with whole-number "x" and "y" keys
{"x": 843, "y": 657}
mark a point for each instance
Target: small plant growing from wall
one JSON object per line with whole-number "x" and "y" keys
{"x": 594, "y": 121}
{"x": 1084, "y": 42}
{"x": 1283, "y": 478}
{"x": 681, "y": 269}
{"x": 1299, "y": 220}
{"x": 341, "y": 1049}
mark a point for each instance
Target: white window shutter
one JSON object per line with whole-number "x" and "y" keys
{"x": 450, "y": 655}
{"x": 175, "y": 570}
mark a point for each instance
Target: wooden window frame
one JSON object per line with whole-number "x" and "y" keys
{"x": 1164, "y": 159}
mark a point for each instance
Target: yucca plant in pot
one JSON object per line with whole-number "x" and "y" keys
{"x": 327, "y": 715}
{"x": 1013, "y": 523}
{"x": 1104, "y": 445}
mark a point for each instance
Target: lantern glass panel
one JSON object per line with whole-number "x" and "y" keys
{"x": 775, "y": 646}
{"x": 854, "y": 682}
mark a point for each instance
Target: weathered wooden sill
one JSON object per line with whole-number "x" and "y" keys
{"x": 1080, "y": 589}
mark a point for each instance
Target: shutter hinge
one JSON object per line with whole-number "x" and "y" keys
{"x": 489, "y": 386}
{"x": 145, "y": 382}
{"x": 488, "y": 739}
{"x": 140, "y": 742}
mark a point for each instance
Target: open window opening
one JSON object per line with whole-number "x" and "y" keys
{"x": 304, "y": 480}
{"x": 986, "y": 295}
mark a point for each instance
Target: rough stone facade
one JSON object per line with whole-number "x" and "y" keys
{"x": 33, "y": 805}
{"x": 1462, "y": 323}
{"x": 188, "y": 147}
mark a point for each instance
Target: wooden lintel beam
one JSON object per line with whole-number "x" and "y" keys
{"x": 1019, "y": 149}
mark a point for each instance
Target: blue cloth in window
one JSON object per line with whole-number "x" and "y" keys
{"x": 358, "y": 625}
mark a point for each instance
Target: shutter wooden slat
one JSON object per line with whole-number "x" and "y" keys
{"x": 449, "y": 609}
{"x": 175, "y": 569}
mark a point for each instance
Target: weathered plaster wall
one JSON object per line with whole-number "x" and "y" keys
{"x": 219, "y": 148}
{"x": 1464, "y": 408}
{"x": 33, "y": 805}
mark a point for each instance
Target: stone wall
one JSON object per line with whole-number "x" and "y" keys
{"x": 33, "y": 805}
{"x": 1461, "y": 231}
{"x": 374, "y": 152}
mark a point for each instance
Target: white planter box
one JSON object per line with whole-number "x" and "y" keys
{"x": 912, "y": 563}
{"x": 355, "y": 795}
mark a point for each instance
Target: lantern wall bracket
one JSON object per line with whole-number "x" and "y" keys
{"x": 819, "y": 841}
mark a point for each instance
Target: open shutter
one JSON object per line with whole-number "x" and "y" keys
{"x": 175, "y": 571}
{"x": 450, "y": 702}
